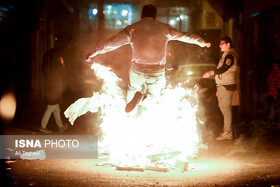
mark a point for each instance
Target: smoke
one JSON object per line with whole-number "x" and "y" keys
{"x": 251, "y": 136}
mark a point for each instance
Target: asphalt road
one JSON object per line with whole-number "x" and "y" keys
{"x": 251, "y": 159}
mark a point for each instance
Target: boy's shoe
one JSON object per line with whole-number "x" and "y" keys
{"x": 224, "y": 136}
{"x": 62, "y": 129}
{"x": 45, "y": 130}
{"x": 138, "y": 96}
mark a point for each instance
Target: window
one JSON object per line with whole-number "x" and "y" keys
{"x": 176, "y": 17}
{"x": 117, "y": 16}
{"x": 3, "y": 14}
{"x": 92, "y": 15}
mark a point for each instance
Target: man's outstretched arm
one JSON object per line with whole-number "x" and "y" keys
{"x": 228, "y": 62}
{"x": 111, "y": 44}
{"x": 187, "y": 38}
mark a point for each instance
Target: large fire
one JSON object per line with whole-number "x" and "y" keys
{"x": 162, "y": 133}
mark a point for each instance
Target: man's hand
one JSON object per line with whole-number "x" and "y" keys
{"x": 91, "y": 55}
{"x": 88, "y": 57}
{"x": 207, "y": 45}
{"x": 207, "y": 74}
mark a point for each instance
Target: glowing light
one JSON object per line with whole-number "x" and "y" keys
{"x": 178, "y": 19}
{"x": 182, "y": 17}
{"x": 124, "y": 12}
{"x": 189, "y": 73}
{"x": 94, "y": 11}
{"x": 119, "y": 22}
{"x": 172, "y": 22}
{"x": 8, "y": 106}
{"x": 162, "y": 132}
{"x": 109, "y": 7}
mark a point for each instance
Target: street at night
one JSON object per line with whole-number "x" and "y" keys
{"x": 140, "y": 93}
{"x": 252, "y": 159}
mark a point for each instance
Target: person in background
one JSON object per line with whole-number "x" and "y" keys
{"x": 148, "y": 39}
{"x": 225, "y": 78}
{"x": 54, "y": 73}
{"x": 273, "y": 90}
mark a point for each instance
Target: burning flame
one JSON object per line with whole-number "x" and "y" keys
{"x": 162, "y": 132}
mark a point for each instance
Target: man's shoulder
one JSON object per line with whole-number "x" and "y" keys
{"x": 148, "y": 25}
{"x": 161, "y": 23}
{"x": 148, "y": 21}
{"x": 229, "y": 56}
{"x": 232, "y": 52}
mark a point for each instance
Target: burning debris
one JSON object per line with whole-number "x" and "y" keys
{"x": 161, "y": 135}
{"x": 129, "y": 169}
{"x": 181, "y": 166}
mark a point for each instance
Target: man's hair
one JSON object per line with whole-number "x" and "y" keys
{"x": 227, "y": 39}
{"x": 149, "y": 11}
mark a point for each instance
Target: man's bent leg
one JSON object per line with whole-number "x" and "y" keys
{"x": 134, "y": 94}
{"x": 136, "y": 82}
{"x": 154, "y": 86}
